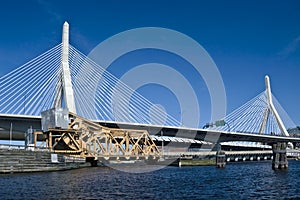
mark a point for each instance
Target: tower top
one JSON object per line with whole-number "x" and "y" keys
{"x": 268, "y": 89}
{"x": 65, "y": 35}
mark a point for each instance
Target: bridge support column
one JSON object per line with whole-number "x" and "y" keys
{"x": 220, "y": 157}
{"x": 279, "y": 156}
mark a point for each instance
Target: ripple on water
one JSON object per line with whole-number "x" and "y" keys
{"x": 236, "y": 181}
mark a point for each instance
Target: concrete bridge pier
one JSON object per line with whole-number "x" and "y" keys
{"x": 220, "y": 157}
{"x": 279, "y": 156}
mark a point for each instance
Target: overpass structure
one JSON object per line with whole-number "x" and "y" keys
{"x": 94, "y": 109}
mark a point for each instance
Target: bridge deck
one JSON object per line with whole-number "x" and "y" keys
{"x": 20, "y": 124}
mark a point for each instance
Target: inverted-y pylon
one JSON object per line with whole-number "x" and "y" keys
{"x": 257, "y": 116}
{"x": 64, "y": 87}
{"x": 271, "y": 108}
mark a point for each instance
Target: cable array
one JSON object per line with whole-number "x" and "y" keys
{"x": 249, "y": 117}
{"x": 33, "y": 88}
{"x": 30, "y": 88}
{"x": 100, "y": 95}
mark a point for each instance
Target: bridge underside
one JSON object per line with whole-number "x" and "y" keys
{"x": 14, "y": 126}
{"x": 18, "y": 125}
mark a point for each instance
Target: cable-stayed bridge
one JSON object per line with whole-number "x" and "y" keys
{"x": 63, "y": 77}
{"x": 95, "y": 94}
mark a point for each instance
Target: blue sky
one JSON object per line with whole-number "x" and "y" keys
{"x": 246, "y": 39}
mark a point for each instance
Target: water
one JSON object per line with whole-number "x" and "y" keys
{"x": 255, "y": 180}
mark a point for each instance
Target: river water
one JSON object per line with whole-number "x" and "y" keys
{"x": 248, "y": 180}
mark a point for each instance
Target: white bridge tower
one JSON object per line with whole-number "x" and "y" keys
{"x": 64, "y": 89}
{"x": 271, "y": 108}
